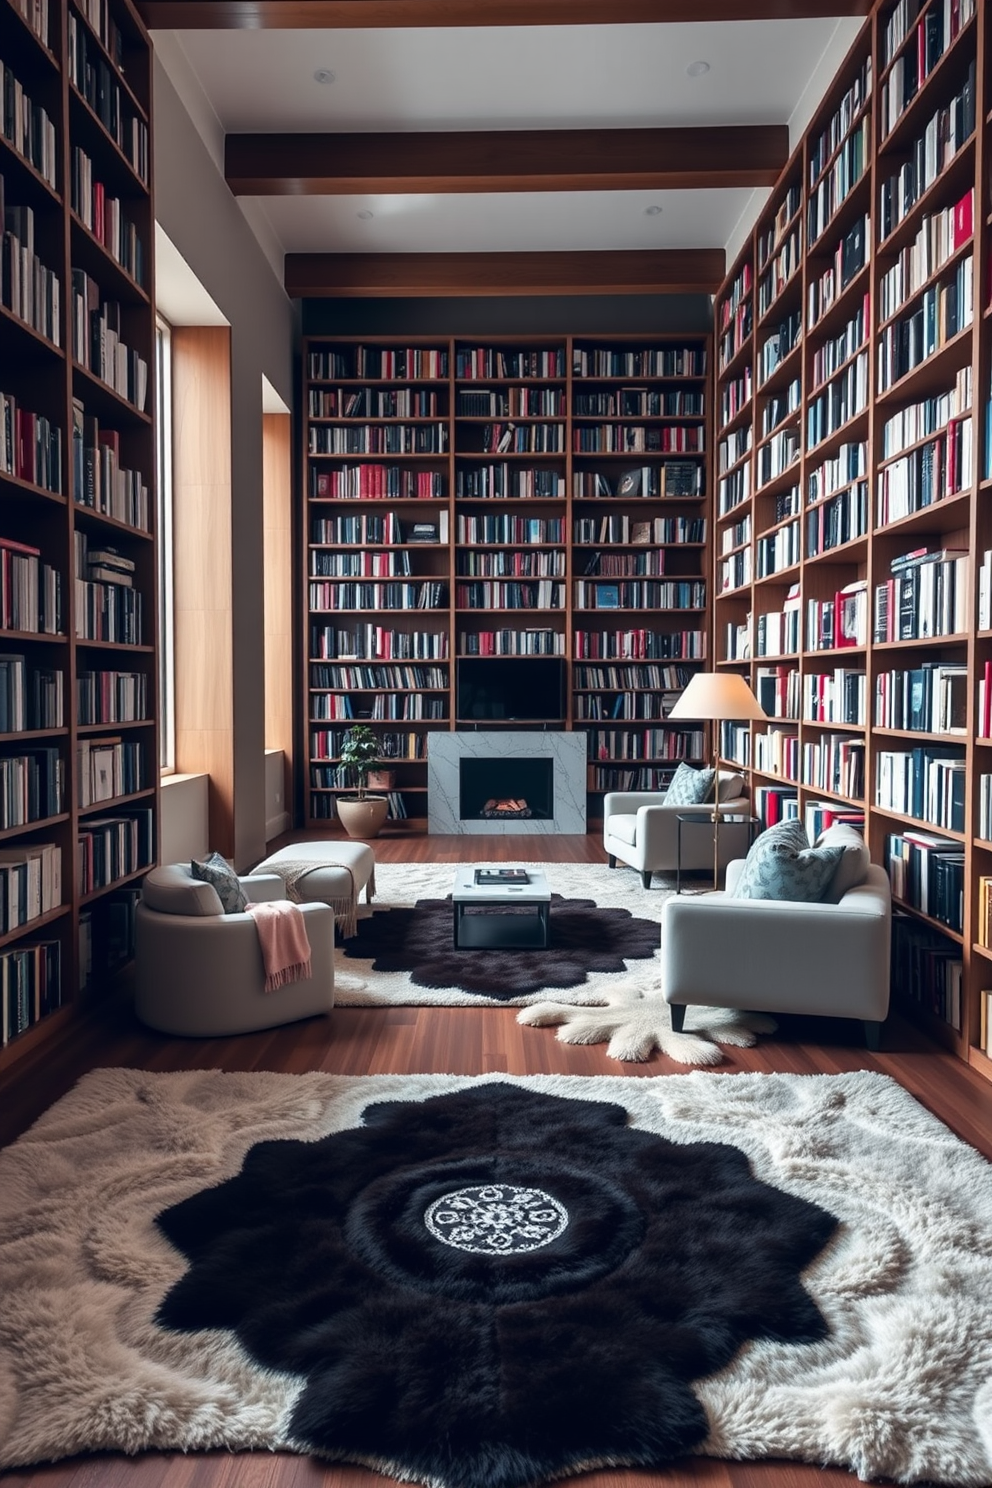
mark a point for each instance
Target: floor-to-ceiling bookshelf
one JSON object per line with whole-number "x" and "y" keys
{"x": 852, "y": 487}
{"x": 521, "y": 497}
{"x": 78, "y": 683}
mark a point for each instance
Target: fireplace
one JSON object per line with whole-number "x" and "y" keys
{"x": 515, "y": 789}
{"x": 469, "y": 768}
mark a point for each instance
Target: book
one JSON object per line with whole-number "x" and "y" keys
{"x": 502, "y": 876}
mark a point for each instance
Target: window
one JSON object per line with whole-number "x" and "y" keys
{"x": 166, "y": 627}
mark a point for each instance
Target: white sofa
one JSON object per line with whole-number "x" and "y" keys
{"x": 640, "y": 829}
{"x": 199, "y": 972}
{"x": 773, "y": 956}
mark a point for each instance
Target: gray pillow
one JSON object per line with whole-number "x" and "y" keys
{"x": 855, "y": 859}
{"x": 218, "y": 871}
{"x": 689, "y": 787}
{"x": 782, "y": 865}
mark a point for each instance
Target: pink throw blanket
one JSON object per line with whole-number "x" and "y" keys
{"x": 282, "y": 937}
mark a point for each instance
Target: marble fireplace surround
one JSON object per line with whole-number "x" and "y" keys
{"x": 566, "y": 750}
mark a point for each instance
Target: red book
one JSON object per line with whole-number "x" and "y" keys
{"x": 964, "y": 219}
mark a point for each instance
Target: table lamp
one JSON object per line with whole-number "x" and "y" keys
{"x": 716, "y": 697}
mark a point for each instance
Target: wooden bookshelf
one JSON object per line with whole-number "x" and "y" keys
{"x": 562, "y": 502}
{"x": 884, "y": 397}
{"x": 78, "y": 754}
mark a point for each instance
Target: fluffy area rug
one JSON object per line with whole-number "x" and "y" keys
{"x": 494, "y": 1282}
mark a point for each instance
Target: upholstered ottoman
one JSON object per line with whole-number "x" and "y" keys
{"x": 333, "y": 873}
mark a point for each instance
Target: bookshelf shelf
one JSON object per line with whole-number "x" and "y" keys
{"x": 844, "y": 260}
{"x": 40, "y": 671}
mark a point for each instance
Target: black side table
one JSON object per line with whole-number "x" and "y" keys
{"x": 705, "y": 818}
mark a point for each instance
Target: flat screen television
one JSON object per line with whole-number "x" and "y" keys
{"x": 524, "y": 689}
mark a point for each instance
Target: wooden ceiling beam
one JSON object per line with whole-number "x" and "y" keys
{"x": 257, "y": 15}
{"x": 505, "y": 160}
{"x": 379, "y": 275}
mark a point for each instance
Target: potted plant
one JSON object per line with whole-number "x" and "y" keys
{"x": 361, "y": 815}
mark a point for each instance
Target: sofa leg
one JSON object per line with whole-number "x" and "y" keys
{"x": 612, "y": 860}
{"x": 677, "y": 1010}
{"x": 873, "y": 1035}
{"x": 646, "y": 880}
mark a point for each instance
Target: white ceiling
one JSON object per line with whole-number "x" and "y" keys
{"x": 760, "y": 72}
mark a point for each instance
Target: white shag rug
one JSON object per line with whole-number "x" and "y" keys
{"x": 898, "y": 1386}
{"x": 631, "y": 1015}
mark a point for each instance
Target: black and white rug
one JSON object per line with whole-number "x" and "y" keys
{"x": 495, "y": 1282}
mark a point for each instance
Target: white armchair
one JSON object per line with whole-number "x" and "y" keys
{"x": 774, "y": 956}
{"x": 640, "y": 829}
{"x": 199, "y": 971}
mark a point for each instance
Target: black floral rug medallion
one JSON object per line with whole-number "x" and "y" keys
{"x": 496, "y": 1287}
{"x": 583, "y": 940}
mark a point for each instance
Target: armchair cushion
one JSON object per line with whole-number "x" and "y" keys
{"x": 782, "y": 865}
{"x": 217, "y": 871}
{"x": 689, "y": 787}
{"x": 173, "y": 890}
{"x": 852, "y": 869}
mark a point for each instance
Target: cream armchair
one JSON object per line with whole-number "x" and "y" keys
{"x": 774, "y": 956}
{"x": 639, "y": 829}
{"x": 199, "y": 971}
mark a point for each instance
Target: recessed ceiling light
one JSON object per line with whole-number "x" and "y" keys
{"x": 365, "y": 216}
{"x": 653, "y": 211}
{"x": 696, "y": 69}
{"x": 323, "y": 75}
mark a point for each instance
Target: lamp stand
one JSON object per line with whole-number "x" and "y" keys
{"x": 716, "y": 809}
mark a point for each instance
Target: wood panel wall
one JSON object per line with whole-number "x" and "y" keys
{"x": 202, "y": 583}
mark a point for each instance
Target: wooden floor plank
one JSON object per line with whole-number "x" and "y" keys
{"x": 474, "y": 1040}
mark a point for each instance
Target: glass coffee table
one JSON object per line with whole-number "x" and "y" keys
{"x": 500, "y": 916}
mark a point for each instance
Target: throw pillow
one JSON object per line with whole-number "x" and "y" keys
{"x": 689, "y": 787}
{"x": 218, "y": 871}
{"x": 853, "y": 866}
{"x": 782, "y": 865}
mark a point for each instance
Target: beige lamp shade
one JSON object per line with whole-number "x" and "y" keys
{"x": 718, "y": 695}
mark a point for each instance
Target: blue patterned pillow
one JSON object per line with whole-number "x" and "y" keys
{"x": 782, "y": 865}
{"x": 689, "y": 787}
{"x": 218, "y": 871}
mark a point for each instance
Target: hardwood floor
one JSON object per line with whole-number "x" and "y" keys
{"x": 463, "y": 1041}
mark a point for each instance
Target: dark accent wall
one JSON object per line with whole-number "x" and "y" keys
{"x": 524, "y": 315}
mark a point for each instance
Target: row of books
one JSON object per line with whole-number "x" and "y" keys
{"x": 327, "y": 744}
{"x": 361, "y": 565}
{"x": 366, "y": 528}
{"x": 831, "y": 355}
{"x": 514, "y": 402}
{"x": 776, "y": 752}
{"x": 674, "y": 594}
{"x": 522, "y": 439}
{"x": 736, "y": 570}
{"x": 735, "y": 395}
{"x": 784, "y": 265}
{"x": 105, "y": 217}
{"x": 636, "y": 677}
{"x": 499, "y": 482}
{"x": 378, "y": 439}
{"x": 649, "y": 361}
{"x": 841, "y": 401}
{"x": 111, "y": 697}
{"x": 775, "y": 457}
{"x": 430, "y": 595}
{"x": 849, "y": 259}
{"x": 647, "y": 744}
{"x": 619, "y": 438}
{"x": 32, "y": 787}
{"x": 840, "y": 621}
{"x": 504, "y": 528}
{"x": 27, "y": 127}
{"x": 384, "y": 362}
{"x": 835, "y": 763}
{"x": 985, "y": 810}
{"x": 931, "y": 699}
{"x": 370, "y": 402}
{"x": 848, "y": 463}
{"x": 733, "y": 489}
{"x": 637, "y": 402}
{"x": 31, "y": 697}
{"x": 952, "y": 16}
{"x": 838, "y": 180}
{"x": 777, "y": 406}
{"x": 624, "y": 705}
{"x": 926, "y": 970}
{"x": 98, "y": 344}
{"x": 110, "y": 848}
{"x": 30, "y": 590}
{"x": 945, "y": 133}
{"x": 30, "y": 445}
{"x": 512, "y": 563}
{"x": 108, "y": 768}
{"x": 508, "y": 642}
{"x": 95, "y": 79}
{"x": 472, "y": 362}
{"x": 406, "y": 705}
{"x": 618, "y": 778}
{"x": 99, "y": 480}
{"x": 837, "y": 520}
{"x": 939, "y": 237}
{"x": 671, "y": 479}
{"x": 618, "y": 565}
{"x": 638, "y": 645}
{"x": 927, "y": 416}
{"x": 927, "y": 783}
{"x": 779, "y": 550}
{"x": 927, "y": 595}
{"x": 30, "y": 986}
{"x": 940, "y": 24}
{"x": 377, "y": 482}
{"x": 29, "y": 289}
{"x": 840, "y": 696}
{"x": 769, "y": 240}
{"x": 928, "y": 474}
{"x": 370, "y": 678}
{"x": 377, "y": 643}
{"x": 30, "y": 883}
{"x": 733, "y": 447}
{"x": 944, "y": 310}
{"x": 542, "y": 594}
{"x": 927, "y": 873}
